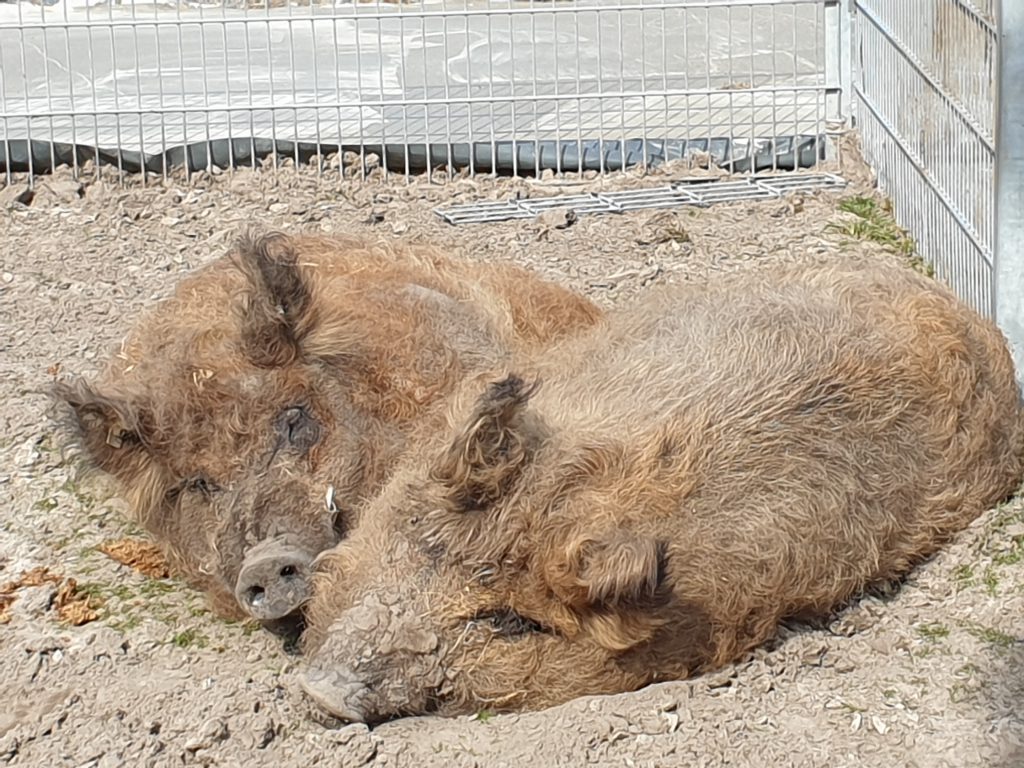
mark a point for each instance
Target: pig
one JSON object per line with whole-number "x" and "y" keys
{"x": 247, "y": 417}
{"x": 649, "y": 500}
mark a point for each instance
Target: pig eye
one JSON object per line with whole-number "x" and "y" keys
{"x": 297, "y": 427}
{"x": 508, "y": 623}
{"x": 195, "y": 484}
{"x": 203, "y": 485}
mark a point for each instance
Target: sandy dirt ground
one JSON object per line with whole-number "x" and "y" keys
{"x": 104, "y": 665}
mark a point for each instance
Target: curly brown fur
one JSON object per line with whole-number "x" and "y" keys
{"x": 272, "y": 393}
{"x": 697, "y": 469}
{"x": 276, "y": 310}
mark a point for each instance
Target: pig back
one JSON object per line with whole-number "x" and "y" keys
{"x": 799, "y": 435}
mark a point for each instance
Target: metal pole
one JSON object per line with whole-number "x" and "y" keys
{"x": 847, "y": 70}
{"x": 838, "y": 70}
{"x": 1009, "y": 244}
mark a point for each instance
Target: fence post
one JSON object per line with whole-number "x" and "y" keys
{"x": 1009, "y": 243}
{"x": 838, "y": 62}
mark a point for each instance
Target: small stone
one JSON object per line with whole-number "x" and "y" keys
{"x": 845, "y": 665}
{"x": 265, "y": 733}
{"x": 34, "y": 602}
{"x": 813, "y": 657}
{"x": 210, "y": 732}
{"x": 558, "y": 218}
{"x": 14, "y": 195}
{"x": 1012, "y": 531}
{"x": 8, "y": 277}
{"x": 878, "y": 724}
{"x": 360, "y": 746}
{"x": 673, "y": 721}
{"x": 347, "y": 734}
{"x": 63, "y": 190}
{"x": 278, "y": 207}
{"x": 667, "y": 704}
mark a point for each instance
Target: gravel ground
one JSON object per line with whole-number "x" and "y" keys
{"x": 102, "y": 665}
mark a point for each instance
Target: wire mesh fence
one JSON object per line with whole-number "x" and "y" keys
{"x": 926, "y": 111}
{"x": 513, "y": 86}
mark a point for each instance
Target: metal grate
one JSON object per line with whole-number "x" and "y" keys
{"x": 697, "y": 191}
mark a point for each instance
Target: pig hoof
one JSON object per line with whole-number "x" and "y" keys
{"x": 336, "y": 693}
{"x": 274, "y": 584}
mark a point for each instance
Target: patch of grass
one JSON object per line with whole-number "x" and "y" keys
{"x": 105, "y": 591}
{"x": 250, "y": 626}
{"x": 124, "y": 624}
{"x": 864, "y": 207}
{"x": 674, "y": 234}
{"x": 484, "y": 715}
{"x": 1009, "y": 512}
{"x": 155, "y": 587}
{"x": 46, "y": 443}
{"x": 123, "y": 592}
{"x": 93, "y": 589}
{"x": 875, "y": 222}
{"x": 46, "y": 504}
{"x": 959, "y": 692}
{"x": 75, "y": 535}
{"x": 963, "y": 575}
{"x": 87, "y": 569}
{"x": 933, "y": 632}
{"x": 991, "y": 636}
{"x": 918, "y": 264}
{"x": 85, "y": 500}
{"x": 189, "y": 638}
{"x": 967, "y": 670}
{"x": 991, "y": 582}
{"x": 1014, "y": 555}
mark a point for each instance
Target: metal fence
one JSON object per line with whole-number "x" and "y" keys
{"x": 520, "y": 86}
{"x": 926, "y": 112}
{"x": 489, "y": 85}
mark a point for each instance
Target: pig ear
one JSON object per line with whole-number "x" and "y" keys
{"x": 614, "y": 582}
{"x": 111, "y": 430}
{"x": 276, "y": 311}
{"x": 489, "y": 451}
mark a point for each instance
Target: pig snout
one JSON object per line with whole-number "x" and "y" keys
{"x": 379, "y": 659}
{"x": 274, "y": 581}
{"x": 337, "y": 691}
